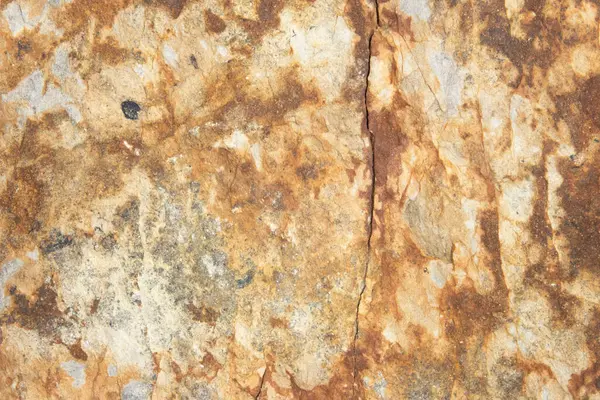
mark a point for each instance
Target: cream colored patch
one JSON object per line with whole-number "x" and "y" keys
{"x": 301, "y": 321}
{"x": 418, "y": 9}
{"x": 439, "y": 272}
{"x": 33, "y": 255}
{"x": 513, "y": 7}
{"x": 450, "y": 78}
{"x": 170, "y": 55}
{"x": 238, "y": 141}
{"x": 391, "y": 332}
{"x": 516, "y": 202}
{"x": 243, "y": 335}
{"x": 585, "y": 60}
{"x": 24, "y": 15}
{"x": 526, "y": 142}
{"x": 18, "y": 17}
{"x": 308, "y": 371}
{"x": 7, "y": 270}
{"x": 256, "y": 155}
{"x": 35, "y": 99}
{"x": 76, "y": 371}
{"x": 380, "y": 82}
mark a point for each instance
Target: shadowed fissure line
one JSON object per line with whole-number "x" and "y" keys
{"x": 260, "y": 387}
{"x": 371, "y": 206}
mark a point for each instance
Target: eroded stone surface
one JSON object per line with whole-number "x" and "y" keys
{"x": 484, "y": 263}
{"x": 305, "y": 199}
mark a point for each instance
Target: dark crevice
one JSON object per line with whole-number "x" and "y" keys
{"x": 260, "y": 388}
{"x": 371, "y": 208}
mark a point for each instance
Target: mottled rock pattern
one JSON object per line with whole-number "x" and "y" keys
{"x": 309, "y": 199}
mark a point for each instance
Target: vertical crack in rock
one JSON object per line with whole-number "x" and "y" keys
{"x": 260, "y": 387}
{"x": 371, "y": 204}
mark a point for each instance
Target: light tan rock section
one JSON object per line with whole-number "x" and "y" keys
{"x": 316, "y": 199}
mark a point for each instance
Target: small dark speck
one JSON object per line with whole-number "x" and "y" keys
{"x": 193, "y": 61}
{"x": 572, "y": 157}
{"x": 108, "y": 242}
{"x": 56, "y": 241}
{"x": 23, "y": 47}
{"x": 130, "y": 109}
{"x": 35, "y": 226}
{"x": 596, "y": 140}
{"x": 246, "y": 280}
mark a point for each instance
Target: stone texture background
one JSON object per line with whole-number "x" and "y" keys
{"x": 307, "y": 199}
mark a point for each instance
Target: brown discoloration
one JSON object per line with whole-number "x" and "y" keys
{"x": 546, "y": 275}
{"x": 278, "y": 323}
{"x": 539, "y": 225}
{"x": 28, "y": 196}
{"x": 587, "y": 381}
{"x": 490, "y": 238}
{"x": 510, "y": 376}
{"x": 94, "y": 307}
{"x": 177, "y": 370}
{"x": 589, "y": 96}
{"x": 389, "y": 141}
{"x": 547, "y": 279}
{"x": 26, "y": 54}
{"x": 24, "y": 47}
{"x": 474, "y": 302}
{"x": 307, "y": 172}
{"x": 234, "y": 94}
{"x": 422, "y": 366}
{"x": 174, "y": 7}
{"x": 468, "y": 313}
{"x": 535, "y": 49}
{"x": 529, "y": 367}
{"x": 209, "y": 367}
{"x": 203, "y": 314}
{"x": 23, "y": 200}
{"x": 268, "y": 19}
{"x": 40, "y": 314}
{"x": 363, "y": 26}
{"x": 497, "y": 36}
{"x": 361, "y": 23}
{"x": 108, "y": 242}
{"x": 96, "y": 209}
{"x": 399, "y": 23}
{"x": 581, "y": 224}
{"x": 579, "y": 110}
{"x": 109, "y": 52}
{"x": 77, "y": 352}
{"x": 213, "y": 22}
{"x": 78, "y": 14}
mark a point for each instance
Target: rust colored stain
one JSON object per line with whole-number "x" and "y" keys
{"x": 213, "y": 22}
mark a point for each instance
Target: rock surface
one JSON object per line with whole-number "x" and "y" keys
{"x": 308, "y": 199}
